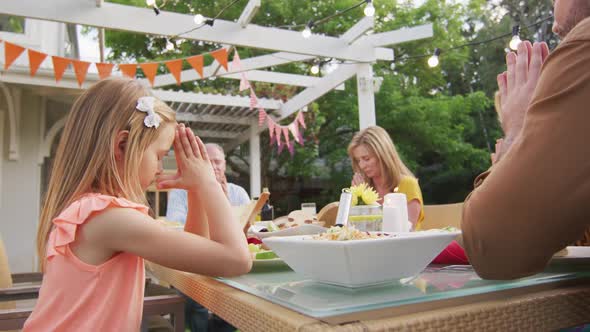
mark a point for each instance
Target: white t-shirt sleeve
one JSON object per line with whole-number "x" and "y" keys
{"x": 177, "y": 208}
{"x": 237, "y": 195}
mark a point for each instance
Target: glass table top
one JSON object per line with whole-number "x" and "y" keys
{"x": 279, "y": 284}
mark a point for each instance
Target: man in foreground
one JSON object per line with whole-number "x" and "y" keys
{"x": 534, "y": 201}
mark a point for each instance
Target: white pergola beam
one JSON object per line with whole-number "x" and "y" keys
{"x": 248, "y": 64}
{"x": 359, "y": 29}
{"x": 46, "y": 77}
{"x": 387, "y": 54}
{"x": 327, "y": 83}
{"x": 212, "y": 99}
{"x": 249, "y": 12}
{"x": 279, "y": 78}
{"x": 366, "y": 96}
{"x": 216, "y": 134}
{"x": 208, "y": 118}
{"x": 245, "y": 18}
{"x": 142, "y": 20}
{"x": 255, "y": 163}
{"x": 401, "y": 36}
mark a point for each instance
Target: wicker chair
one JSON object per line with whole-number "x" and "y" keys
{"x": 328, "y": 214}
{"x": 439, "y": 216}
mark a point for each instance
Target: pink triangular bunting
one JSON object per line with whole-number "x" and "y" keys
{"x": 253, "y": 99}
{"x": 261, "y": 116}
{"x": 294, "y": 129}
{"x": 301, "y": 120}
{"x": 286, "y": 134}
{"x": 278, "y": 134}
{"x": 244, "y": 83}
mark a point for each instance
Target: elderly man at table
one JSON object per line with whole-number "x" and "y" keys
{"x": 197, "y": 316}
{"x": 534, "y": 200}
{"x": 178, "y": 199}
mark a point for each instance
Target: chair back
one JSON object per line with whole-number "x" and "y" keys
{"x": 443, "y": 215}
{"x": 5, "y": 276}
{"x": 248, "y": 212}
{"x": 328, "y": 214}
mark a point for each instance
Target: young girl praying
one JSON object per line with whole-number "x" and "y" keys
{"x": 95, "y": 231}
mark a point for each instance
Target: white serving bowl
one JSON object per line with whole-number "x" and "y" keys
{"x": 305, "y": 229}
{"x": 361, "y": 263}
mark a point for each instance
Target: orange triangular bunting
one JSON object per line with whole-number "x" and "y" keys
{"x": 197, "y": 63}
{"x": 221, "y": 56}
{"x": 35, "y": 60}
{"x": 175, "y": 67}
{"x": 11, "y": 52}
{"x": 128, "y": 69}
{"x": 81, "y": 69}
{"x": 104, "y": 69}
{"x": 150, "y": 70}
{"x": 59, "y": 66}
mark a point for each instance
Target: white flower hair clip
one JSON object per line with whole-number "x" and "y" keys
{"x": 146, "y": 104}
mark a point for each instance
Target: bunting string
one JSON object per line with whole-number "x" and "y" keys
{"x": 150, "y": 69}
{"x": 279, "y": 134}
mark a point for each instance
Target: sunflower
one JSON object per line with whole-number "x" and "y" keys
{"x": 370, "y": 196}
{"x": 362, "y": 194}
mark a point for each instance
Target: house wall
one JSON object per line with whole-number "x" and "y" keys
{"x": 20, "y": 182}
{"x": 20, "y": 179}
{"x": 44, "y": 36}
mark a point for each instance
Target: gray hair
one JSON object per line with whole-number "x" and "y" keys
{"x": 217, "y": 146}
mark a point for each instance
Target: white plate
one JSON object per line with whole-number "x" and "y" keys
{"x": 574, "y": 255}
{"x": 305, "y": 229}
{"x": 361, "y": 263}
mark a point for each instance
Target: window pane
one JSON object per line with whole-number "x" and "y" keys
{"x": 12, "y": 24}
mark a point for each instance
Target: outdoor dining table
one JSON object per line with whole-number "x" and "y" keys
{"x": 272, "y": 297}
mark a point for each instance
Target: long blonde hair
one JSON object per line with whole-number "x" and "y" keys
{"x": 85, "y": 158}
{"x": 377, "y": 141}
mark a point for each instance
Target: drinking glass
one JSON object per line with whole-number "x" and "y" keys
{"x": 309, "y": 209}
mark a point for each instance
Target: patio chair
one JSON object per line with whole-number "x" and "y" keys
{"x": 25, "y": 286}
{"x": 247, "y": 213}
{"x": 328, "y": 214}
{"x": 439, "y": 216}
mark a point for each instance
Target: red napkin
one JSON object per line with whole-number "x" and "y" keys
{"x": 254, "y": 240}
{"x": 452, "y": 254}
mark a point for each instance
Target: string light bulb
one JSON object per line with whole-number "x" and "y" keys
{"x": 315, "y": 69}
{"x": 515, "y": 41}
{"x": 199, "y": 19}
{"x": 369, "y": 8}
{"x": 306, "y": 33}
{"x": 152, "y": 3}
{"x": 169, "y": 45}
{"x": 433, "y": 61}
{"x": 328, "y": 67}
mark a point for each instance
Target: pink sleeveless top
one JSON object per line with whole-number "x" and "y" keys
{"x": 76, "y": 296}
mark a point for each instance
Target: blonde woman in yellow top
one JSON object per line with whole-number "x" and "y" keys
{"x": 376, "y": 162}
